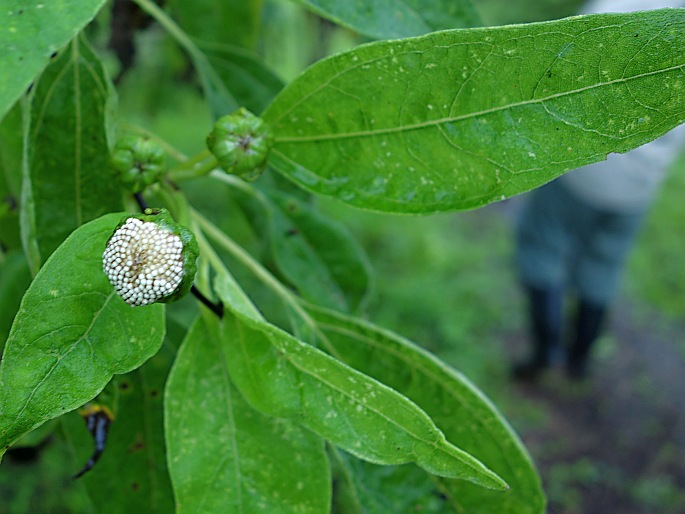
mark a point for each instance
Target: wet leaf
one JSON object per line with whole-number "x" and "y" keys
{"x": 394, "y": 19}
{"x": 225, "y": 456}
{"x": 282, "y": 376}
{"x": 71, "y": 334}
{"x": 30, "y": 36}
{"x": 457, "y": 407}
{"x": 458, "y": 119}
{"x": 66, "y": 178}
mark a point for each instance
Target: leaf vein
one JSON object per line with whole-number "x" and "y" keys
{"x": 471, "y": 115}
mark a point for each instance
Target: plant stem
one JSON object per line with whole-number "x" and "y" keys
{"x": 210, "y": 79}
{"x": 262, "y": 274}
{"x": 216, "y": 308}
{"x": 197, "y": 166}
{"x": 239, "y": 298}
{"x": 142, "y": 204}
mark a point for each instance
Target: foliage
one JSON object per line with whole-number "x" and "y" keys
{"x": 282, "y": 389}
{"x": 658, "y": 243}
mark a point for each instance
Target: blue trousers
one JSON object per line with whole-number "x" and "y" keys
{"x": 564, "y": 243}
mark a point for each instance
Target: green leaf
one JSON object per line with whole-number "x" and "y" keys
{"x": 234, "y": 22}
{"x": 131, "y": 475}
{"x": 458, "y": 119}
{"x": 282, "y": 376}
{"x": 31, "y": 32}
{"x": 11, "y": 145}
{"x": 394, "y": 19}
{"x": 14, "y": 280}
{"x": 10, "y": 151}
{"x": 313, "y": 253}
{"x": 71, "y": 334}
{"x": 252, "y": 84}
{"x": 220, "y": 99}
{"x": 318, "y": 255}
{"x": 66, "y": 172}
{"x": 458, "y": 408}
{"x": 364, "y": 488}
{"x": 226, "y": 457}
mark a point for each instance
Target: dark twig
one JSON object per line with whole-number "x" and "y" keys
{"x": 141, "y": 201}
{"x": 216, "y": 308}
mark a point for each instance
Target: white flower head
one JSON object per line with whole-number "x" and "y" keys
{"x": 144, "y": 261}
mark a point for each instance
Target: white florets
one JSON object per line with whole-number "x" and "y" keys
{"x": 143, "y": 261}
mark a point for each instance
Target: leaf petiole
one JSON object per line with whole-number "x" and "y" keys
{"x": 197, "y": 166}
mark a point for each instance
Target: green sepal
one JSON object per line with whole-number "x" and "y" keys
{"x": 138, "y": 161}
{"x": 190, "y": 252}
{"x": 241, "y": 142}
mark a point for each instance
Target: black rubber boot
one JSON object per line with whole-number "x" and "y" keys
{"x": 589, "y": 322}
{"x": 545, "y": 310}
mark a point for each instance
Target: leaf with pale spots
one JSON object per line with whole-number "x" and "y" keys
{"x": 458, "y": 119}
{"x": 458, "y": 408}
{"x": 71, "y": 334}
{"x": 226, "y": 457}
{"x": 284, "y": 377}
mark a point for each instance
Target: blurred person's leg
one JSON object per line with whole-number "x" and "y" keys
{"x": 545, "y": 318}
{"x": 605, "y": 246}
{"x": 542, "y": 245}
{"x": 588, "y": 327}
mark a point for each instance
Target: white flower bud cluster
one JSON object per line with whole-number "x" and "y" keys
{"x": 143, "y": 261}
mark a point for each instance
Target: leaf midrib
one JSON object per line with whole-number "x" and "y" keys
{"x": 475, "y": 114}
{"x": 420, "y": 367}
{"x": 59, "y": 359}
{"x": 436, "y": 444}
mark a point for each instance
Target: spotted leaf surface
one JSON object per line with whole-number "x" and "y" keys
{"x": 284, "y": 377}
{"x": 459, "y": 409}
{"x": 71, "y": 334}
{"x": 458, "y": 119}
{"x": 226, "y": 457}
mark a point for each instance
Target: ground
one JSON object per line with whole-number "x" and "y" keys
{"x": 616, "y": 443}
{"x": 613, "y": 445}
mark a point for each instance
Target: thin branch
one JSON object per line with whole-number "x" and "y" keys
{"x": 216, "y": 308}
{"x": 141, "y": 201}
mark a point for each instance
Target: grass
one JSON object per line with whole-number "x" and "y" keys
{"x": 655, "y": 271}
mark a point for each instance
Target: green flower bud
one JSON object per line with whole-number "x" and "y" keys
{"x": 241, "y": 142}
{"x": 139, "y": 162}
{"x": 150, "y": 258}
